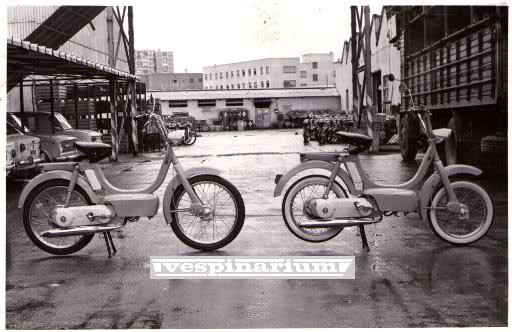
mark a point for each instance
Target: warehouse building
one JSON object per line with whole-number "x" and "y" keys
{"x": 262, "y": 106}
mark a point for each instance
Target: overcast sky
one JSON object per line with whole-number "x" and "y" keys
{"x": 203, "y": 33}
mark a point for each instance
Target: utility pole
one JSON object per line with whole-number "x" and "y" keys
{"x": 133, "y": 98}
{"x": 369, "y": 83}
{"x": 112, "y": 86}
{"x": 355, "y": 64}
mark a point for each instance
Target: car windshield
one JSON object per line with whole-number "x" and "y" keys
{"x": 11, "y": 130}
{"x": 15, "y": 122}
{"x": 62, "y": 122}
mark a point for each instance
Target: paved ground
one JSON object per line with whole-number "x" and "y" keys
{"x": 410, "y": 278}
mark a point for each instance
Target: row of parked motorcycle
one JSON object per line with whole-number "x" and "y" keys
{"x": 41, "y": 138}
{"x": 323, "y": 128}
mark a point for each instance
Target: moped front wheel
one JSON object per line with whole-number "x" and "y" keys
{"x": 221, "y": 227}
{"x": 297, "y": 196}
{"x": 191, "y": 138}
{"x": 462, "y": 228}
{"x": 37, "y": 211}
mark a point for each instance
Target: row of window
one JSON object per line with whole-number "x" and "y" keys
{"x": 250, "y": 71}
{"x": 251, "y": 85}
{"x": 205, "y": 103}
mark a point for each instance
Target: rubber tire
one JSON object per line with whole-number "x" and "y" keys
{"x": 447, "y": 238}
{"x": 238, "y": 224}
{"x": 409, "y": 133}
{"x": 26, "y": 222}
{"x": 192, "y": 140}
{"x": 283, "y": 209}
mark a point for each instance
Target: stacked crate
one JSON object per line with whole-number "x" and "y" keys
{"x": 85, "y": 110}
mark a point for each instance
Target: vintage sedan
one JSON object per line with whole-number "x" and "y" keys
{"x": 42, "y": 122}
{"x": 9, "y": 160}
{"x": 25, "y": 151}
{"x": 54, "y": 147}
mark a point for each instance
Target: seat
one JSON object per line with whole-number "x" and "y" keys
{"x": 360, "y": 141}
{"x": 94, "y": 152}
{"x": 323, "y": 156}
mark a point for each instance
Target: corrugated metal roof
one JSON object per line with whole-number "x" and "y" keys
{"x": 25, "y": 58}
{"x": 245, "y": 93}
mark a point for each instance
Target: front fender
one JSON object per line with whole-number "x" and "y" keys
{"x": 175, "y": 182}
{"x": 433, "y": 181}
{"x": 51, "y": 175}
{"x": 311, "y": 165}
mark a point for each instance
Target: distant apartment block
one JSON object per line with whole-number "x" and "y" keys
{"x": 151, "y": 61}
{"x": 314, "y": 70}
{"x": 173, "y": 81}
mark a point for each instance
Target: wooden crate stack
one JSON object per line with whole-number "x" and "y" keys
{"x": 85, "y": 108}
{"x": 42, "y": 92}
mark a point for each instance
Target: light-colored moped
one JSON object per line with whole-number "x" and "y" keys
{"x": 316, "y": 208}
{"x": 68, "y": 203}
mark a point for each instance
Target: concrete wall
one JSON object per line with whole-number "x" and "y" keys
{"x": 174, "y": 81}
{"x": 283, "y": 105}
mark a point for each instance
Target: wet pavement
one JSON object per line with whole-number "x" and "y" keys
{"x": 408, "y": 279}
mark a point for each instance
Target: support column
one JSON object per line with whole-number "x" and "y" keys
{"x": 369, "y": 84}
{"x": 52, "y": 110}
{"x": 113, "y": 120}
{"x": 133, "y": 114}
{"x": 133, "y": 90}
{"x": 22, "y": 107}
{"x": 353, "y": 51}
{"x": 75, "y": 88}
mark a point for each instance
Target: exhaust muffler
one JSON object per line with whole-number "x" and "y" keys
{"x": 79, "y": 230}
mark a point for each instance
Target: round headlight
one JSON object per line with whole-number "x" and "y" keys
{"x": 23, "y": 147}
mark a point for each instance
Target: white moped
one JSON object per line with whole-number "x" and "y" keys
{"x": 69, "y": 202}
{"x": 316, "y": 208}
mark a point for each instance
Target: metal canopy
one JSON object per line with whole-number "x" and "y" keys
{"x": 65, "y": 22}
{"x": 28, "y": 59}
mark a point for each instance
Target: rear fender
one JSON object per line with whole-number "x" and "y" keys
{"x": 52, "y": 175}
{"x": 342, "y": 174}
{"x": 175, "y": 182}
{"x": 434, "y": 180}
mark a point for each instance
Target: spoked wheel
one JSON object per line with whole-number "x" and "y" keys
{"x": 462, "y": 228}
{"x": 297, "y": 195}
{"x": 37, "y": 211}
{"x": 227, "y": 213}
{"x": 191, "y": 139}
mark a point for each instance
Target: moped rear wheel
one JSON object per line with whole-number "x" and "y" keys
{"x": 297, "y": 195}
{"x": 462, "y": 229}
{"x": 191, "y": 139}
{"x": 36, "y": 216}
{"x": 228, "y": 215}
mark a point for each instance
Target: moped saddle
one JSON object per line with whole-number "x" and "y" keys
{"x": 92, "y": 151}
{"x": 360, "y": 141}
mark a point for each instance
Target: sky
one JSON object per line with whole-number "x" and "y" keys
{"x": 203, "y": 33}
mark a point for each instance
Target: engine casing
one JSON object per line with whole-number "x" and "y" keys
{"x": 82, "y": 215}
{"x": 337, "y": 208}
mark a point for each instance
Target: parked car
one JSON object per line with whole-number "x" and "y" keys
{"x": 41, "y": 122}
{"x": 9, "y": 161}
{"x": 54, "y": 147}
{"x": 25, "y": 151}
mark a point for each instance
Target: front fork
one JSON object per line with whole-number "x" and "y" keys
{"x": 196, "y": 207}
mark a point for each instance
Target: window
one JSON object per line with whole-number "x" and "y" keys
{"x": 267, "y": 71}
{"x": 315, "y": 77}
{"x": 227, "y": 75}
{"x": 238, "y": 85}
{"x": 238, "y": 73}
{"x": 178, "y": 103}
{"x": 385, "y": 89}
{"x": 254, "y": 71}
{"x": 261, "y": 70}
{"x": 216, "y": 75}
{"x": 221, "y": 87}
{"x": 221, "y": 75}
{"x": 334, "y": 73}
{"x": 243, "y": 72}
{"x": 250, "y": 85}
{"x": 200, "y": 80}
{"x": 175, "y": 81}
{"x": 205, "y": 77}
{"x": 210, "y": 76}
{"x": 227, "y": 86}
{"x": 234, "y": 102}
{"x": 207, "y": 103}
{"x": 216, "y": 87}
{"x": 232, "y": 86}
{"x": 290, "y": 84}
{"x": 268, "y": 84}
{"x": 231, "y": 73}
{"x": 303, "y": 74}
{"x": 191, "y": 80}
{"x": 249, "y": 71}
{"x": 289, "y": 69}
{"x": 262, "y": 84}
{"x": 303, "y": 84}
{"x": 243, "y": 85}
{"x": 315, "y": 65}
{"x": 255, "y": 85}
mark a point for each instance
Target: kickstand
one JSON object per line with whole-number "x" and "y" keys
{"x": 109, "y": 242}
{"x": 366, "y": 247}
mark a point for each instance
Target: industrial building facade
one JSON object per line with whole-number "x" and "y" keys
{"x": 173, "y": 81}
{"x": 314, "y": 70}
{"x": 262, "y": 106}
{"x": 151, "y": 61}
